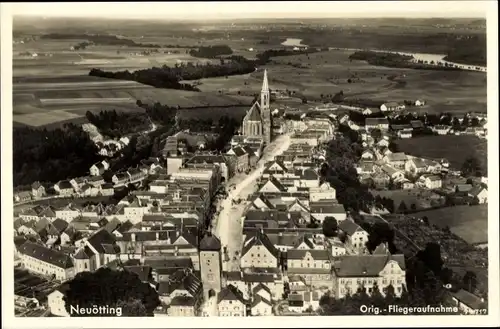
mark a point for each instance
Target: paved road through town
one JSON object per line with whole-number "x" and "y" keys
{"x": 229, "y": 225}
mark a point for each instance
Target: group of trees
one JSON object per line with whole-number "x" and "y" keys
{"x": 82, "y": 45}
{"x": 470, "y": 50}
{"x": 342, "y": 154}
{"x": 99, "y": 39}
{"x": 388, "y": 203}
{"x": 472, "y": 167}
{"x": 161, "y": 114}
{"x": 264, "y": 57}
{"x": 111, "y": 289}
{"x": 395, "y": 60}
{"x": 376, "y": 303}
{"x": 330, "y": 226}
{"x": 170, "y": 77}
{"x": 114, "y": 124}
{"x": 378, "y": 233}
{"x": 51, "y": 155}
{"x": 211, "y": 51}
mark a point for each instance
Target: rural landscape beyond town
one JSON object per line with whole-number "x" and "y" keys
{"x": 250, "y": 167}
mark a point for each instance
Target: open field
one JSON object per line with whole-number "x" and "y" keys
{"x": 454, "y": 148}
{"x": 422, "y": 198}
{"x": 43, "y": 101}
{"x": 327, "y": 73}
{"x": 57, "y": 78}
{"x": 236, "y": 112}
{"x": 468, "y": 222}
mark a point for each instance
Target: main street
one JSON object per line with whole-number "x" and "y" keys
{"x": 229, "y": 222}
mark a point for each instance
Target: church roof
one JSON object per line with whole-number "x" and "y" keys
{"x": 254, "y": 113}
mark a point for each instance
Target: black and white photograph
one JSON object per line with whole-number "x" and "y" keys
{"x": 269, "y": 160}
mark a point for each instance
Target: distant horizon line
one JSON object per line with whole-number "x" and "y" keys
{"x": 227, "y": 17}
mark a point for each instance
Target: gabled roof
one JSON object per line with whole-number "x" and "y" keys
{"x": 60, "y": 225}
{"x": 277, "y": 162}
{"x": 182, "y": 301}
{"x": 260, "y": 287}
{"x": 469, "y": 299}
{"x": 276, "y": 183}
{"x": 41, "y": 224}
{"x": 254, "y": 113}
{"x": 239, "y": 151}
{"x": 262, "y": 198}
{"x": 36, "y": 185}
{"x": 143, "y": 272}
{"x": 376, "y": 121}
{"x": 365, "y": 265}
{"x": 48, "y": 211}
{"x": 84, "y": 253}
{"x": 349, "y": 227}
{"x": 259, "y": 239}
{"x": 304, "y": 238}
{"x": 101, "y": 240}
{"x": 399, "y": 156}
{"x": 476, "y": 190}
{"x": 329, "y": 208}
{"x": 259, "y": 299}
{"x": 316, "y": 254}
{"x": 184, "y": 279}
{"x": 210, "y": 243}
{"x": 419, "y": 163}
{"x": 230, "y": 293}
{"x": 51, "y": 256}
{"x": 463, "y": 187}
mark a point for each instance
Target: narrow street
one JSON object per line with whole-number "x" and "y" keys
{"x": 228, "y": 226}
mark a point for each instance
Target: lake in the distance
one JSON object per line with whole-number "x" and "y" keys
{"x": 293, "y": 42}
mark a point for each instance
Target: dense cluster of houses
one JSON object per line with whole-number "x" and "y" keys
{"x": 155, "y": 231}
{"x": 284, "y": 255}
{"x": 161, "y": 222}
{"x": 381, "y": 168}
{"x": 106, "y": 147}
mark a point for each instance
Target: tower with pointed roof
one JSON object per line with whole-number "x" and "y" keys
{"x": 258, "y": 121}
{"x": 210, "y": 265}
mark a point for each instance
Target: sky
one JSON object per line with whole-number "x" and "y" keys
{"x": 239, "y": 10}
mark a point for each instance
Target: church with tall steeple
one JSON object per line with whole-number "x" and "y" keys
{"x": 258, "y": 121}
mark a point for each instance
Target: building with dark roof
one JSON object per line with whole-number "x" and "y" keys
{"x": 97, "y": 250}
{"x": 47, "y": 262}
{"x": 369, "y": 271}
{"x": 259, "y": 251}
{"x": 210, "y": 265}
{"x": 230, "y": 302}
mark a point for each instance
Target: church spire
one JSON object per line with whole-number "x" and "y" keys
{"x": 265, "y": 84}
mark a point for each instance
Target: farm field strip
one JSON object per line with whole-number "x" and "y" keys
{"x": 83, "y": 100}
{"x": 41, "y": 119}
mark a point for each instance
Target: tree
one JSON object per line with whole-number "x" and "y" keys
{"x": 431, "y": 257}
{"x": 413, "y": 207}
{"x": 380, "y": 232}
{"x": 471, "y": 167}
{"x": 402, "y": 207}
{"x": 469, "y": 281}
{"x": 132, "y": 307}
{"x": 107, "y": 287}
{"x": 330, "y": 226}
{"x": 376, "y": 134}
